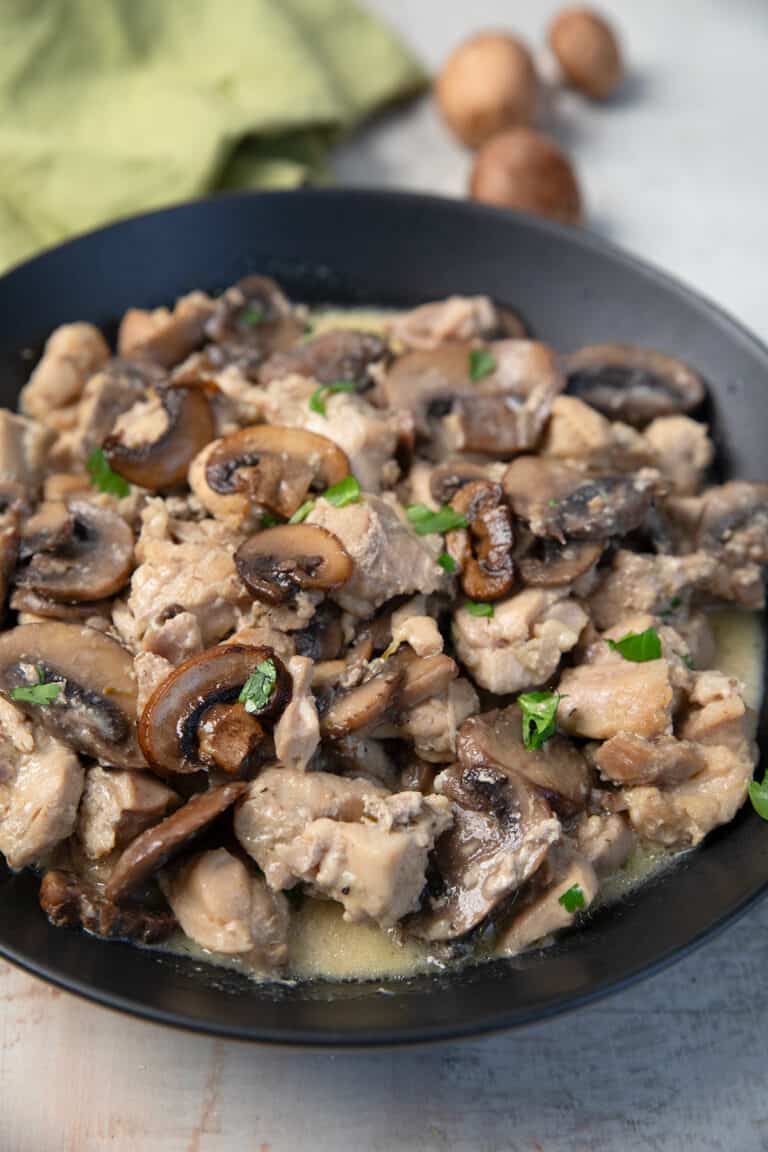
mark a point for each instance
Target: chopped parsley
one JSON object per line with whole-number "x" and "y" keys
{"x": 347, "y": 491}
{"x": 686, "y": 658}
{"x": 478, "y": 608}
{"x": 539, "y": 712}
{"x": 481, "y": 363}
{"x": 319, "y": 396}
{"x": 252, "y": 315}
{"x": 673, "y": 605}
{"x": 259, "y": 687}
{"x": 302, "y": 512}
{"x": 552, "y": 503}
{"x": 425, "y": 522}
{"x": 758, "y": 794}
{"x": 41, "y": 693}
{"x": 102, "y": 476}
{"x": 573, "y": 899}
{"x": 268, "y": 520}
{"x": 639, "y": 647}
{"x": 447, "y": 563}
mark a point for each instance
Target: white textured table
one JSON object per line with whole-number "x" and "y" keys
{"x": 678, "y": 171}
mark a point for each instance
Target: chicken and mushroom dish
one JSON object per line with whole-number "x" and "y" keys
{"x": 343, "y": 643}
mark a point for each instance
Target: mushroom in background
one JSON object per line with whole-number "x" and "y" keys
{"x": 587, "y": 51}
{"x": 487, "y": 84}
{"x": 527, "y": 171}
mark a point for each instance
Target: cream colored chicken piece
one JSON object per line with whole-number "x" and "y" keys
{"x": 41, "y": 781}
{"x": 521, "y": 645}
{"x": 432, "y": 726}
{"x": 224, "y": 907}
{"x": 607, "y": 840}
{"x": 297, "y": 732}
{"x": 368, "y": 435}
{"x": 23, "y": 450}
{"x": 412, "y": 625}
{"x": 73, "y": 352}
{"x": 389, "y": 559}
{"x": 682, "y": 451}
{"x": 116, "y": 806}
{"x": 584, "y": 438}
{"x": 176, "y": 638}
{"x": 456, "y": 318}
{"x": 546, "y": 914}
{"x": 347, "y": 839}
{"x": 639, "y": 582}
{"x": 612, "y": 695}
{"x": 150, "y": 671}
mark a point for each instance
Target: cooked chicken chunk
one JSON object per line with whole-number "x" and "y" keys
{"x": 23, "y": 448}
{"x": 682, "y": 451}
{"x": 432, "y": 726}
{"x": 607, "y": 841}
{"x": 629, "y": 759}
{"x": 389, "y": 558}
{"x": 637, "y": 582}
{"x": 41, "y": 780}
{"x": 224, "y": 907}
{"x": 150, "y": 671}
{"x": 521, "y": 645}
{"x": 176, "y": 636}
{"x": 72, "y": 354}
{"x": 297, "y": 732}
{"x": 116, "y": 806}
{"x": 457, "y": 318}
{"x": 612, "y": 695}
{"x": 546, "y": 913}
{"x": 411, "y": 624}
{"x": 347, "y": 839}
{"x": 579, "y": 435}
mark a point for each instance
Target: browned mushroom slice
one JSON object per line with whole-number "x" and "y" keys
{"x": 484, "y": 549}
{"x": 153, "y": 848}
{"x": 9, "y": 550}
{"x": 95, "y": 709}
{"x": 167, "y": 339}
{"x": 25, "y": 600}
{"x": 323, "y": 637}
{"x": 163, "y": 461}
{"x": 271, "y": 466}
{"x": 338, "y": 354}
{"x": 734, "y": 520}
{"x": 633, "y": 384}
{"x": 561, "y": 502}
{"x": 557, "y": 769}
{"x": 362, "y": 707}
{"x": 277, "y": 563}
{"x": 448, "y": 477}
{"x": 426, "y": 382}
{"x": 501, "y": 832}
{"x": 70, "y": 902}
{"x": 550, "y": 564}
{"x": 79, "y": 551}
{"x": 172, "y": 730}
{"x": 424, "y": 677}
{"x": 254, "y": 313}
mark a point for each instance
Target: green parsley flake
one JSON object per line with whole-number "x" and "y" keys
{"x": 478, "y": 608}
{"x": 539, "y": 713}
{"x": 447, "y": 563}
{"x": 102, "y": 476}
{"x": 425, "y": 522}
{"x": 252, "y": 315}
{"x": 268, "y": 520}
{"x": 259, "y": 687}
{"x": 639, "y": 647}
{"x": 347, "y": 491}
{"x": 318, "y": 397}
{"x": 481, "y": 363}
{"x": 573, "y": 899}
{"x": 41, "y": 693}
{"x": 302, "y": 512}
{"x": 758, "y": 794}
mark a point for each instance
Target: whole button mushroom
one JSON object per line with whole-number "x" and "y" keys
{"x": 587, "y": 51}
{"x": 487, "y": 84}
{"x": 527, "y": 171}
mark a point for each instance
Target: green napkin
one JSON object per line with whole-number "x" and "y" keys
{"x": 108, "y": 107}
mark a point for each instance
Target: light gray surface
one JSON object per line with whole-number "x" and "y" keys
{"x": 677, "y": 171}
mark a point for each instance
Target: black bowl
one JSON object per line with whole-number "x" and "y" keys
{"x": 362, "y": 247}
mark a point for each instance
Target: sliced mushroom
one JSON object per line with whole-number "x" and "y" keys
{"x": 186, "y": 427}
{"x": 561, "y": 502}
{"x": 483, "y": 551}
{"x": 96, "y": 708}
{"x": 267, "y": 465}
{"x": 178, "y": 720}
{"x": 323, "y": 637}
{"x": 201, "y": 368}
{"x": 79, "y": 551}
{"x": 734, "y": 520}
{"x": 254, "y": 313}
{"x": 337, "y": 354}
{"x": 424, "y": 677}
{"x": 157, "y": 845}
{"x": 426, "y": 383}
{"x": 557, "y": 769}
{"x": 166, "y": 337}
{"x": 549, "y": 564}
{"x": 277, "y": 563}
{"x": 70, "y": 902}
{"x": 501, "y": 832}
{"x": 25, "y": 600}
{"x": 9, "y": 550}
{"x": 230, "y": 738}
{"x": 362, "y": 707}
{"x": 633, "y": 384}
{"x": 447, "y": 478}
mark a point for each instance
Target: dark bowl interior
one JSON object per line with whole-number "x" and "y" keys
{"x": 398, "y": 249}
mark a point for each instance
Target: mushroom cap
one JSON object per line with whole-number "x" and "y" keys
{"x": 172, "y": 723}
{"x": 633, "y": 384}
{"x": 69, "y": 901}
{"x": 80, "y": 551}
{"x": 587, "y": 51}
{"x": 336, "y": 354}
{"x": 527, "y": 171}
{"x": 95, "y": 712}
{"x": 157, "y": 845}
{"x": 178, "y": 334}
{"x": 234, "y": 321}
{"x": 426, "y": 381}
{"x": 163, "y": 462}
{"x": 277, "y": 563}
{"x": 485, "y": 547}
{"x": 362, "y": 707}
{"x": 487, "y": 84}
{"x": 550, "y": 564}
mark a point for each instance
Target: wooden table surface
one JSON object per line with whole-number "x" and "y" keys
{"x": 677, "y": 171}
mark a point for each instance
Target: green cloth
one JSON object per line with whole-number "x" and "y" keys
{"x": 108, "y": 107}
